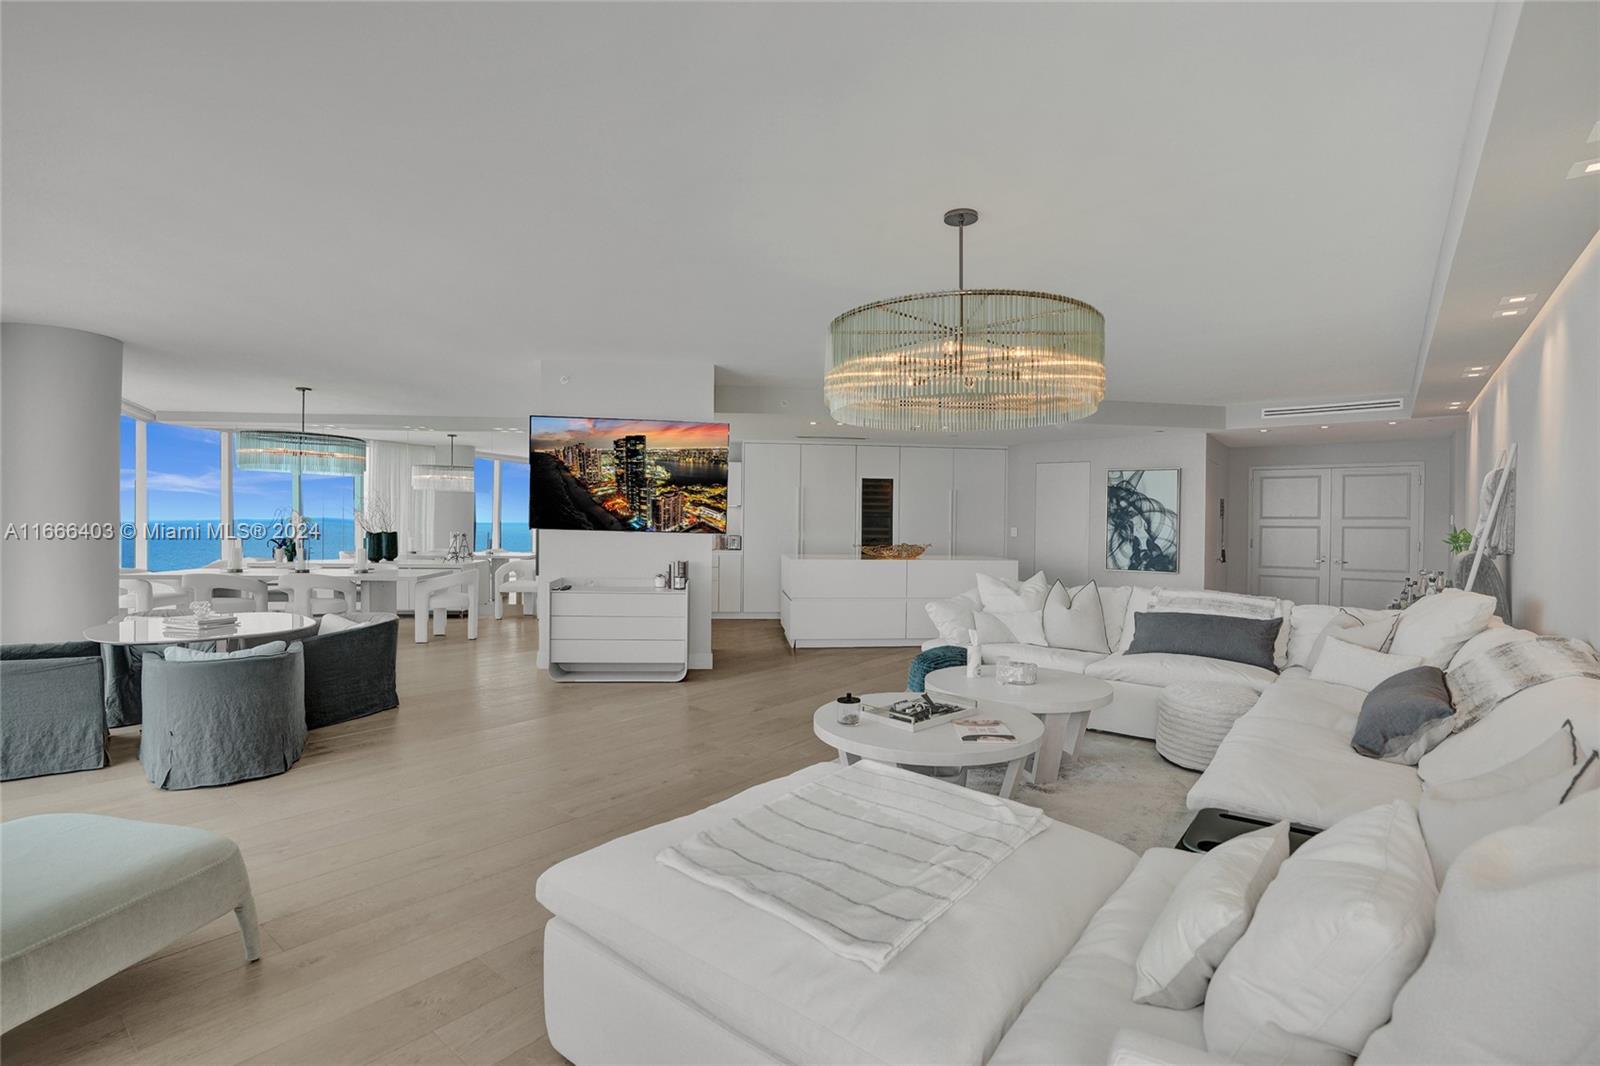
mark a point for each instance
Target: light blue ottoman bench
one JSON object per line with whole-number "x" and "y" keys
{"x": 85, "y": 896}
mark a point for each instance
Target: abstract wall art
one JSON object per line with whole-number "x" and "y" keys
{"x": 1142, "y": 520}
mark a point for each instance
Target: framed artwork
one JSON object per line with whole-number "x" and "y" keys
{"x": 1142, "y": 520}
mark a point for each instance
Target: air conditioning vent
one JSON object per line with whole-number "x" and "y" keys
{"x": 821, "y": 436}
{"x": 1354, "y": 407}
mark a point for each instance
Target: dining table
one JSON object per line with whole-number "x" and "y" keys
{"x": 378, "y": 584}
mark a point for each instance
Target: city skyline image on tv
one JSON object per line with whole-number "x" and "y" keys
{"x": 627, "y": 475}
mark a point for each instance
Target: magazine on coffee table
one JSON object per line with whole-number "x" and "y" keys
{"x": 985, "y": 731}
{"x": 918, "y": 712}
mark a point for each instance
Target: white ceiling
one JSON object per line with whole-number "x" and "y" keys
{"x": 406, "y": 205}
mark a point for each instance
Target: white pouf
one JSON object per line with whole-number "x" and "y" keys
{"x": 1191, "y": 720}
{"x": 85, "y": 896}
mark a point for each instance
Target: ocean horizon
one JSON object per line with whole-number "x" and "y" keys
{"x": 191, "y": 543}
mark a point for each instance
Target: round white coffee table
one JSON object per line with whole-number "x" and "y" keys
{"x": 941, "y": 745}
{"x": 1061, "y": 700}
{"x": 250, "y": 627}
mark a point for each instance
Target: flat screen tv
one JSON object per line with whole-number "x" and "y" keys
{"x": 627, "y": 475}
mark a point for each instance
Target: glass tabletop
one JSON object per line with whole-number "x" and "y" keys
{"x": 248, "y": 625}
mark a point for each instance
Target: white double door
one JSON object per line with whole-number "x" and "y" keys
{"x": 1345, "y": 535}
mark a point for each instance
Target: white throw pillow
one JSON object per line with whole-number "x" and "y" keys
{"x": 337, "y": 623}
{"x": 1114, "y": 605}
{"x": 1010, "y": 627}
{"x": 1309, "y": 621}
{"x": 1513, "y": 971}
{"x": 998, "y": 594}
{"x": 1435, "y": 627}
{"x": 1338, "y": 932}
{"x": 953, "y": 617}
{"x": 1076, "y": 620}
{"x": 1344, "y": 663}
{"x": 1456, "y": 814}
{"x": 1205, "y": 916}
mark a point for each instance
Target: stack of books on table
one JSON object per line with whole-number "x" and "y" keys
{"x": 200, "y": 625}
{"x": 917, "y": 713}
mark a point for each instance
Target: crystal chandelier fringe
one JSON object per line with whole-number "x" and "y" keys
{"x": 966, "y": 360}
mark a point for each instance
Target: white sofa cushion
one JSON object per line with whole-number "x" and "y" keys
{"x": 953, "y": 618}
{"x": 1076, "y": 1013}
{"x": 1309, "y": 621}
{"x": 1456, "y": 814}
{"x": 1207, "y": 914}
{"x": 1343, "y": 663}
{"x": 1010, "y": 627}
{"x": 1161, "y": 669}
{"x": 1114, "y": 605}
{"x": 783, "y": 991}
{"x": 1072, "y": 662}
{"x": 1435, "y": 627}
{"x": 1514, "y": 972}
{"x": 1290, "y": 757}
{"x": 1075, "y": 620}
{"x": 1341, "y": 929}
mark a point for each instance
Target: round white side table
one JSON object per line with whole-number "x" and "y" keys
{"x": 1062, "y": 702}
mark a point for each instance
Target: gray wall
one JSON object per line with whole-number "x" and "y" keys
{"x": 1185, "y": 450}
{"x": 1546, "y": 399}
{"x": 1438, "y": 491}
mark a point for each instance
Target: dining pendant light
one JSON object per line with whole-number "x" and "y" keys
{"x": 966, "y": 359}
{"x": 288, "y": 451}
{"x": 439, "y": 478}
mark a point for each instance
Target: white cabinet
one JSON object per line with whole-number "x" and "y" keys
{"x": 617, "y": 630}
{"x": 841, "y": 602}
{"x": 770, "y": 484}
{"x": 728, "y": 570}
{"x": 979, "y": 494}
{"x": 828, "y": 499}
{"x": 923, "y": 498}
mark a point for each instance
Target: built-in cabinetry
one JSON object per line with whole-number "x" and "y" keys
{"x": 617, "y": 630}
{"x": 807, "y": 499}
{"x": 846, "y": 601}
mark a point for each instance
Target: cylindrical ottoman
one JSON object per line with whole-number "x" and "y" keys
{"x": 1191, "y": 720}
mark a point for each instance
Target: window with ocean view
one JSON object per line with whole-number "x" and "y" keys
{"x": 183, "y": 483}
{"x": 127, "y": 485}
{"x": 515, "y": 536}
{"x": 483, "y": 504}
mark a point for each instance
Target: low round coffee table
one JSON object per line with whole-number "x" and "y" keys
{"x": 939, "y": 745}
{"x": 251, "y": 627}
{"x": 1062, "y": 701}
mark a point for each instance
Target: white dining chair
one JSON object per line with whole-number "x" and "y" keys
{"x": 140, "y": 592}
{"x": 516, "y": 577}
{"x": 454, "y": 591}
{"x": 226, "y": 587}
{"x": 339, "y": 593}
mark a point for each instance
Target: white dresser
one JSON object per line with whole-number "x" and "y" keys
{"x": 610, "y": 629}
{"x": 845, "y": 601}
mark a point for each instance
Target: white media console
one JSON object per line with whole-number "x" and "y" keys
{"x": 845, "y": 601}
{"x": 617, "y": 629}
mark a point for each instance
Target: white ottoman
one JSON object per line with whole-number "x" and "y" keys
{"x": 85, "y": 896}
{"x": 1191, "y": 720}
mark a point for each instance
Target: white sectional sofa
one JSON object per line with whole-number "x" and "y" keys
{"x": 1037, "y": 963}
{"x": 1290, "y": 755}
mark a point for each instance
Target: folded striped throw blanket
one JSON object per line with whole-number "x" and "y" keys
{"x": 863, "y": 859}
{"x": 1478, "y": 685}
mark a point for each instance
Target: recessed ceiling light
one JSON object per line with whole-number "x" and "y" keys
{"x": 1519, "y": 300}
{"x": 1472, "y": 374}
{"x": 813, "y": 423}
{"x": 1263, "y": 431}
{"x": 1455, "y": 403}
{"x": 1584, "y": 167}
{"x": 1477, "y": 368}
{"x": 1394, "y": 423}
{"x": 1510, "y": 313}
{"x": 1324, "y": 427}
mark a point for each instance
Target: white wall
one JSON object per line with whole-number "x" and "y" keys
{"x": 607, "y": 389}
{"x": 60, "y": 408}
{"x": 1181, "y": 449}
{"x": 1546, "y": 398}
{"x": 1438, "y": 492}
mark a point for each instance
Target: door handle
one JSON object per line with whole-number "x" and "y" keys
{"x": 1319, "y": 560}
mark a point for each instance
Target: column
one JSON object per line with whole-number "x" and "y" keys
{"x": 60, "y": 411}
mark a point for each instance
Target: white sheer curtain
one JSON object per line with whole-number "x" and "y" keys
{"x": 389, "y": 485}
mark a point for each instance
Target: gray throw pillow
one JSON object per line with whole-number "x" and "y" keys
{"x": 1404, "y": 716}
{"x": 1215, "y": 636}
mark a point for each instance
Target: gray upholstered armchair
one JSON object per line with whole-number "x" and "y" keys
{"x": 222, "y": 719}
{"x": 350, "y": 672}
{"x": 52, "y": 709}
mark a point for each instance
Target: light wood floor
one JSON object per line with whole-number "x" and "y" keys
{"x": 394, "y": 866}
